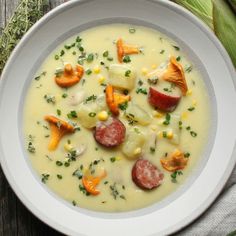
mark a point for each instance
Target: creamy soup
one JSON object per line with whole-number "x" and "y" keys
{"x": 116, "y": 118}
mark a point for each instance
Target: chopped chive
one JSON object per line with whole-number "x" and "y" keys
{"x": 92, "y": 114}
{"x": 88, "y": 71}
{"x": 56, "y": 57}
{"x": 59, "y": 163}
{"x": 105, "y": 54}
{"x": 186, "y": 154}
{"x": 112, "y": 159}
{"x": 110, "y": 58}
{"x": 126, "y": 59}
{"x": 127, "y": 73}
{"x": 176, "y": 47}
{"x": 59, "y": 176}
{"x": 58, "y": 112}
{"x": 62, "y": 53}
{"x": 178, "y": 58}
{"x": 162, "y": 51}
{"x": 90, "y": 57}
{"x": 132, "y": 30}
{"x": 72, "y": 114}
{"x": 191, "y": 108}
{"x": 64, "y": 95}
{"x": 193, "y": 134}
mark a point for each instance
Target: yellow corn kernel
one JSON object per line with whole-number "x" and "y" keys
{"x": 144, "y": 71}
{"x": 102, "y": 115}
{"x": 96, "y": 70}
{"x": 68, "y": 147}
{"x": 194, "y": 102}
{"x": 154, "y": 66}
{"x": 189, "y": 92}
{"x": 137, "y": 151}
{"x": 101, "y": 79}
{"x": 184, "y": 115}
{"x": 157, "y": 114}
{"x": 160, "y": 135}
{"x": 118, "y": 158}
{"x": 170, "y": 135}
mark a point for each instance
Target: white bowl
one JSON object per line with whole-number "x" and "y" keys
{"x": 201, "y": 46}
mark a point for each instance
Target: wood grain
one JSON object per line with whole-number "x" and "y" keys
{"x": 15, "y": 218}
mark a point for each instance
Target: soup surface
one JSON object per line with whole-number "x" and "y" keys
{"x": 116, "y": 118}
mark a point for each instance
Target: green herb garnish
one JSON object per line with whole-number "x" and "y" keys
{"x": 72, "y": 114}
{"x": 92, "y": 114}
{"x": 132, "y": 30}
{"x": 112, "y": 159}
{"x": 174, "y": 176}
{"x": 141, "y": 90}
{"x": 176, "y": 47}
{"x": 45, "y": 178}
{"x": 126, "y": 59}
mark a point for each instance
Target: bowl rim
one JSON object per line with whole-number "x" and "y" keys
{"x": 169, "y": 5}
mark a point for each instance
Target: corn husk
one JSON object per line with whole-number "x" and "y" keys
{"x": 224, "y": 21}
{"x": 232, "y": 4}
{"x": 219, "y": 15}
{"x": 201, "y": 8}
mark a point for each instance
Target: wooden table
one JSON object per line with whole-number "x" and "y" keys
{"x": 15, "y": 218}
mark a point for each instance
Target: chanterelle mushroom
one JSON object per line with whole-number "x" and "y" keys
{"x": 175, "y": 74}
{"x": 58, "y": 129}
{"x": 70, "y": 76}
{"x": 175, "y": 161}
{"x": 125, "y": 49}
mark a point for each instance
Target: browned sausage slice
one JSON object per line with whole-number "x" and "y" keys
{"x": 146, "y": 175}
{"x": 110, "y": 133}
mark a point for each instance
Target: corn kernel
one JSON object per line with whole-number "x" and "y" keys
{"x": 137, "y": 151}
{"x": 184, "y": 115}
{"x": 144, "y": 71}
{"x": 189, "y": 92}
{"x": 101, "y": 79}
{"x": 159, "y": 135}
{"x": 194, "y": 102}
{"x": 96, "y": 70}
{"x": 154, "y": 66}
{"x": 68, "y": 147}
{"x": 118, "y": 158}
{"x": 157, "y": 114}
{"x": 170, "y": 135}
{"x": 103, "y": 115}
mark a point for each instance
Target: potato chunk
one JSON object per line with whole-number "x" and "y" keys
{"x": 122, "y": 76}
{"x": 137, "y": 114}
{"x": 87, "y": 114}
{"x": 135, "y": 139}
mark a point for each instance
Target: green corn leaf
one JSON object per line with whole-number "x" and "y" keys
{"x": 224, "y": 21}
{"x": 200, "y": 8}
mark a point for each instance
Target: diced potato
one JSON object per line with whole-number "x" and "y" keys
{"x": 122, "y": 76}
{"x": 87, "y": 114}
{"x": 101, "y": 102}
{"x": 132, "y": 148}
{"x": 139, "y": 115}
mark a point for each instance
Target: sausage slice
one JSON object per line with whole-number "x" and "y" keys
{"x": 146, "y": 175}
{"x": 110, "y": 133}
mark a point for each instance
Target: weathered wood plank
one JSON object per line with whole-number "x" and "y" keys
{"x": 8, "y": 215}
{"x": 10, "y": 8}
{"x": 2, "y": 14}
